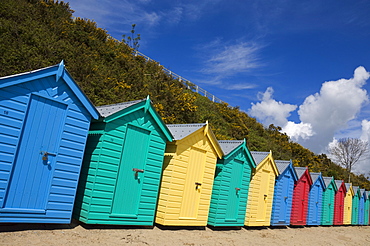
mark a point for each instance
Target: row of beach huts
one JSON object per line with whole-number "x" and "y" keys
{"x": 63, "y": 158}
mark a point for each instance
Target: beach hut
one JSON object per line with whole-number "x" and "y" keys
{"x": 327, "y": 214}
{"x": 361, "y": 207}
{"x": 261, "y": 190}
{"x": 347, "y": 213}
{"x": 366, "y": 209}
{"x": 283, "y": 193}
{"x": 355, "y": 204}
{"x": 188, "y": 173}
{"x": 122, "y": 165}
{"x": 44, "y": 121}
{"x": 315, "y": 199}
{"x": 231, "y": 184}
{"x": 339, "y": 202}
{"x": 300, "y": 196}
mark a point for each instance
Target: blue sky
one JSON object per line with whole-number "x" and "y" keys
{"x": 302, "y": 65}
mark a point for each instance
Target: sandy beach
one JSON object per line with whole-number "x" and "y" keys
{"x": 80, "y": 234}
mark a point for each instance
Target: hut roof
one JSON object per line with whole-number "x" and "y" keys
{"x": 108, "y": 110}
{"x": 228, "y": 146}
{"x": 327, "y": 180}
{"x": 180, "y": 131}
{"x": 259, "y": 156}
{"x": 300, "y": 171}
{"x": 282, "y": 165}
{"x": 339, "y": 183}
{"x": 348, "y": 186}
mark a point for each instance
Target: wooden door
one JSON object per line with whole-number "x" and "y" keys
{"x": 285, "y": 198}
{"x": 263, "y": 195}
{"x": 193, "y": 184}
{"x": 131, "y": 174}
{"x": 235, "y": 190}
{"x": 29, "y": 185}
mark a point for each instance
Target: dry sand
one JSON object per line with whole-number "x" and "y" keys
{"x": 80, "y": 234}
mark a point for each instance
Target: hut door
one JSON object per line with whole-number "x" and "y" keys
{"x": 28, "y": 189}
{"x": 263, "y": 195}
{"x": 315, "y": 210}
{"x": 302, "y": 201}
{"x": 131, "y": 172}
{"x": 285, "y": 198}
{"x": 193, "y": 184}
{"x": 234, "y": 190}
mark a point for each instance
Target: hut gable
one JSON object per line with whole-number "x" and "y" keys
{"x": 231, "y": 184}
{"x": 44, "y": 123}
{"x": 283, "y": 193}
{"x": 315, "y": 199}
{"x": 122, "y": 165}
{"x": 188, "y": 174}
{"x": 300, "y": 196}
{"x": 328, "y": 201}
{"x": 339, "y": 202}
{"x": 347, "y": 213}
{"x": 261, "y": 190}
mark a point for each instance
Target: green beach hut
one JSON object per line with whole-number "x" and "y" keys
{"x": 122, "y": 165}
{"x": 327, "y": 215}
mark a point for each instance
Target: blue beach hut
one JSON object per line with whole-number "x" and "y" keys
{"x": 44, "y": 122}
{"x": 231, "y": 184}
{"x": 315, "y": 199}
{"x": 283, "y": 193}
{"x": 361, "y": 207}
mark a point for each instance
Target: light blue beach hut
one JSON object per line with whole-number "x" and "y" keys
{"x": 315, "y": 199}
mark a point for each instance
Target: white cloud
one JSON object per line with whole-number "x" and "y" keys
{"x": 365, "y": 136}
{"x": 270, "y": 111}
{"x": 240, "y": 86}
{"x": 297, "y": 131}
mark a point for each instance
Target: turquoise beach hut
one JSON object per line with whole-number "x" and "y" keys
{"x": 315, "y": 199}
{"x": 44, "y": 121}
{"x": 231, "y": 184}
{"x": 283, "y": 193}
{"x": 328, "y": 201}
{"x": 122, "y": 166}
{"x": 355, "y": 205}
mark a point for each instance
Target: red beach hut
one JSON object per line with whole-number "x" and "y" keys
{"x": 339, "y": 202}
{"x": 300, "y": 196}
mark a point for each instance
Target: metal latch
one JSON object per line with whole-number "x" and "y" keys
{"x": 197, "y": 184}
{"x": 137, "y": 171}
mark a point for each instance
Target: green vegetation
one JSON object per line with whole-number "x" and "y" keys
{"x": 35, "y": 34}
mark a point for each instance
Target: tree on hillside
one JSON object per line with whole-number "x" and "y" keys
{"x": 348, "y": 151}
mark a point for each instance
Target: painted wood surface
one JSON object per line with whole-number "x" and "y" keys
{"x": 261, "y": 190}
{"x": 361, "y": 207}
{"x": 315, "y": 196}
{"x": 347, "y": 213}
{"x": 283, "y": 193}
{"x": 300, "y": 196}
{"x": 355, "y": 204}
{"x": 339, "y": 202}
{"x": 366, "y": 209}
{"x": 122, "y": 165}
{"x": 188, "y": 174}
{"x": 44, "y": 121}
{"x": 328, "y": 201}
{"x": 231, "y": 184}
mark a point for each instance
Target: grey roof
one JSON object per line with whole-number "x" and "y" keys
{"x": 179, "y": 131}
{"x": 259, "y": 156}
{"x": 327, "y": 180}
{"x": 300, "y": 171}
{"x": 362, "y": 191}
{"x": 338, "y": 183}
{"x": 229, "y": 145}
{"x": 348, "y": 186}
{"x": 355, "y": 189}
{"x": 314, "y": 176}
{"x": 108, "y": 110}
{"x": 281, "y": 165}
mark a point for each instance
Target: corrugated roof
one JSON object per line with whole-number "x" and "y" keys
{"x": 107, "y": 110}
{"x": 355, "y": 189}
{"x": 348, "y": 186}
{"x": 362, "y": 191}
{"x": 300, "y": 171}
{"x": 281, "y": 165}
{"x": 315, "y": 176}
{"x": 338, "y": 183}
{"x": 327, "y": 180}
{"x": 179, "y": 131}
{"x": 229, "y": 145}
{"x": 259, "y": 156}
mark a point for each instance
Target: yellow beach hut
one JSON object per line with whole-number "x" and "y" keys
{"x": 188, "y": 173}
{"x": 347, "y": 214}
{"x": 261, "y": 190}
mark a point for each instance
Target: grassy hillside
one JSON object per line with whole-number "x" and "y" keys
{"x": 36, "y": 34}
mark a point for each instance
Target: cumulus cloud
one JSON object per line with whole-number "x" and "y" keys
{"x": 298, "y": 131}
{"x": 365, "y": 125}
{"x": 270, "y": 111}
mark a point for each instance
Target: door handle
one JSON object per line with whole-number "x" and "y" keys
{"x": 237, "y": 189}
{"x": 137, "y": 171}
{"x": 197, "y": 184}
